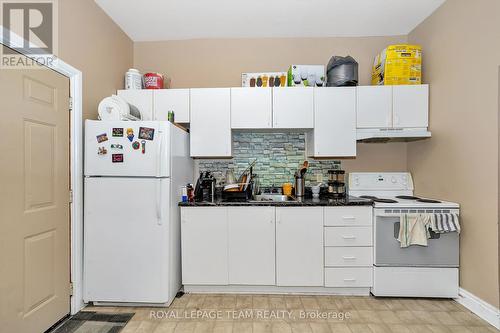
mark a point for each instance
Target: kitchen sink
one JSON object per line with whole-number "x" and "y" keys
{"x": 272, "y": 197}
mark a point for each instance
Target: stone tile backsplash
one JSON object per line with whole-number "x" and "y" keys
{"x": 277, "y": 155}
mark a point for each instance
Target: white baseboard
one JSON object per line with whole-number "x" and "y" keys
{"x": 244, "y": 289}
{"x": 482, "y": 309}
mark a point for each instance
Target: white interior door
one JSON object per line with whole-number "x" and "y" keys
{"x": 126, "y": 239}
{"x": 34, "y": 203}
{"x": 251, "y": 237}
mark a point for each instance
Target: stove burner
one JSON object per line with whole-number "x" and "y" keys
{"x": 375, "y": 199}
{"x": 428, "y": 200}
{"x": 407, "y": 197}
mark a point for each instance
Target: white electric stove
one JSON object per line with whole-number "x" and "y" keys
{"x": 415, "y": 271}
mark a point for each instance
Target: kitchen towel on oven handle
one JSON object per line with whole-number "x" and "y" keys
{"x": 441, "y": 223}
{"x": 414, "y": 229}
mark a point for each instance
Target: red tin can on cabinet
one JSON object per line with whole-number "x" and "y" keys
{"x": 153, "y": 81}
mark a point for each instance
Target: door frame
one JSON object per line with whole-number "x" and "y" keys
{"x": 76, "y": 168}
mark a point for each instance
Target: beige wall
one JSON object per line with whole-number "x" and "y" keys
{"x": 91, "y": 42}
{"x": 220, "y": 62}
{"x": 461, "y": 57}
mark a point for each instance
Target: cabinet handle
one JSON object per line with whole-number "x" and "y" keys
{"x": 348, "y": 258}
{"x": 349, "y": 237}
{"x": 348, "y": 217}
{"x": 349, "y": 280}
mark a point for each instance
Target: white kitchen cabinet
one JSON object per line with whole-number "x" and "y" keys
{"x": 299, "y": 246}
{"x": 410, "y": 106}
{"x": 176, "y": 100}
{"x": 210, "y": 122}
{"x": 204, "y": 246}
{"x": 251, "y": 108}
{"x": 349, "y": 277}
{"x": 251, "y": 247}
{"x": 334, "y": 133}
{"x": 141, "y": 99}
{"x": 293, "y": 107}
{"x": 348, "y": 236}
{"x": 374, "y": 107}
{"x": 348, "y": 216}
{"x": 349, "y": 256}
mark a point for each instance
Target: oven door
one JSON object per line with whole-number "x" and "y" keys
{"x": 442, "y": 249}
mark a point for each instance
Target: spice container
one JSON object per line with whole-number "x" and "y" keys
{"x": 336, "y": 176}
{"x": 336, "y": 183}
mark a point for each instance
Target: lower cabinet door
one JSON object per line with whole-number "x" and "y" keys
{"x": 204, "y": 245}
{"x": 251, "y": 245}
{"x": 299, "y": 246}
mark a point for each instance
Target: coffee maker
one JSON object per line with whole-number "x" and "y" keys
{"x": 205, "y": 187}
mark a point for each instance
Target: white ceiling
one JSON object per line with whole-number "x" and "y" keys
{"x": 153, "y": 20}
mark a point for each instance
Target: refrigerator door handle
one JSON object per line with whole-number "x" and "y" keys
{"x": 159, "y": 193}
{"x": 159, "y": 154}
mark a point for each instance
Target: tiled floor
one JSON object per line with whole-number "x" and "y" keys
{"x": 274, "y": 313}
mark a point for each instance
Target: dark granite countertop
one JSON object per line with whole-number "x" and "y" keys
{"x": 351, "y": 201}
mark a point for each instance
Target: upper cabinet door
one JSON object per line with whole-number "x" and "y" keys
{"x": 141, "y": 99}
{"x": 335, "y": 122}
{"x": 374, "y": 107}
{"x": 211, "y": 122}
{"x": 410, "y": 106}
{"x": 176, "y": 100}
{"x": 251, "y": 108}
{"x": 293, "y": 107}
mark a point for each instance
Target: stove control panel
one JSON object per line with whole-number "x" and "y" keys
{"x": 373, "y": 181}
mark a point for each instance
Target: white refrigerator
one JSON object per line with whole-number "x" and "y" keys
{"x": 133, "y": 174}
